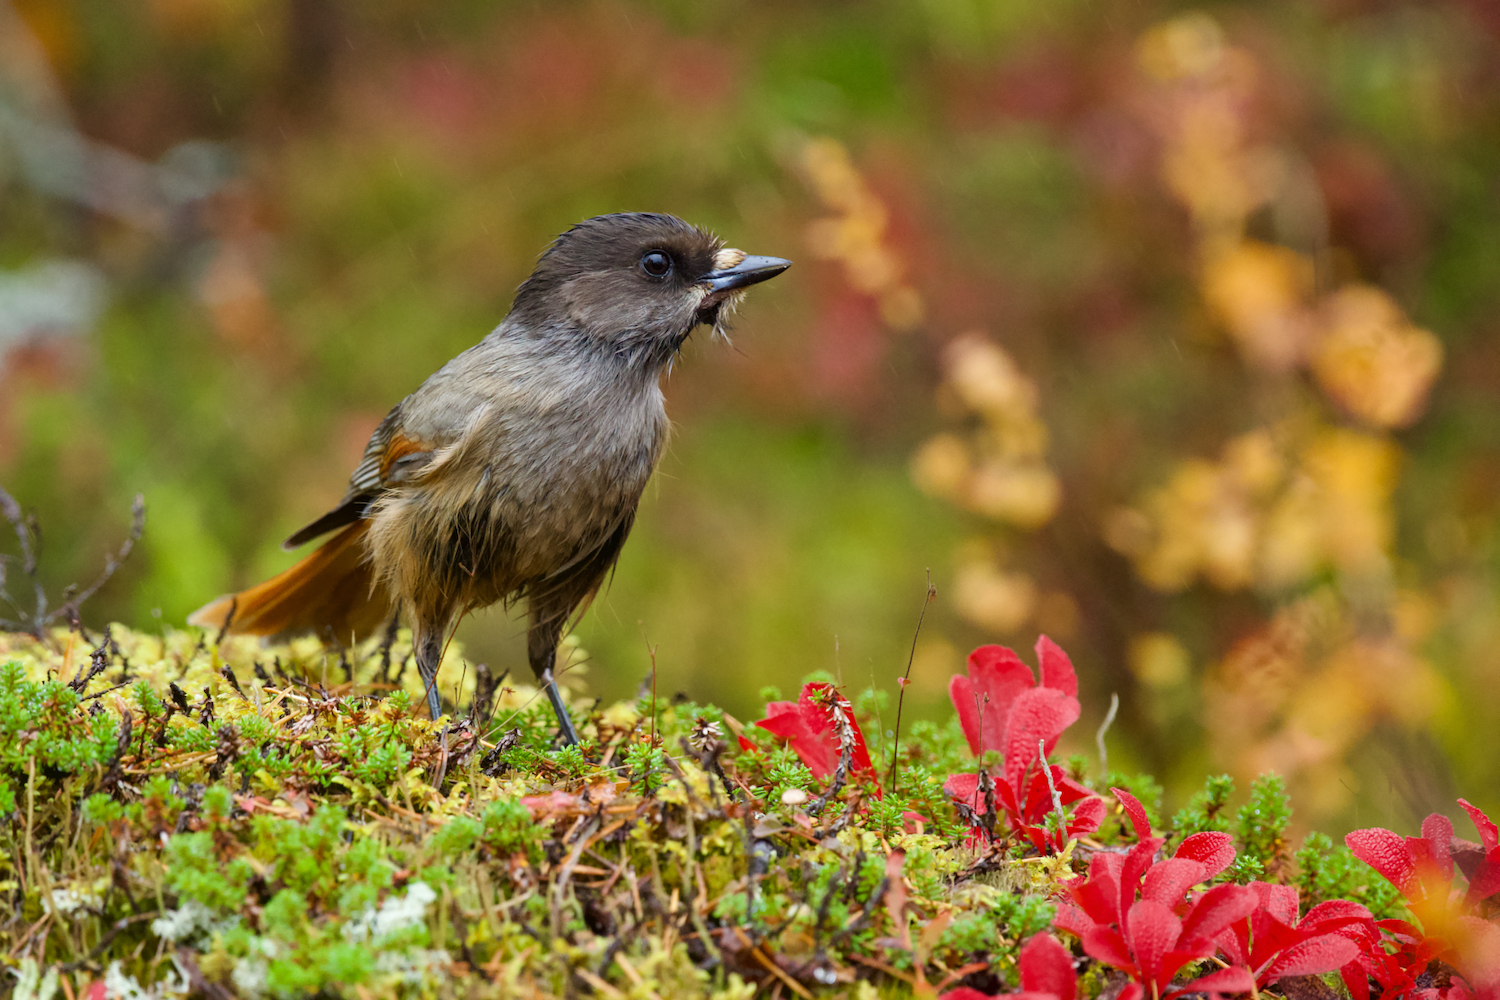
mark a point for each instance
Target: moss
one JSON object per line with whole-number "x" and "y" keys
{"x": 280, "y": 839}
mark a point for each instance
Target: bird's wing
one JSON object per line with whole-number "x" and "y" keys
{"x": 391, "y": 456}
{"x": 366, "y": 477}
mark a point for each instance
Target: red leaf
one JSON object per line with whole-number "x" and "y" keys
{"x": 961, "y": 693}
{"x": 1047, "y": 967}
{"x": 1037, "y": 802}
{"x": 802, "y": 724}
{"x": 996, "y": 677}
{"x": 1269, "y": 938}
{"x": 1486, "y": 826}
{"x": 1486, "y": 880}
{"x": 965, "y": 993}
{"x": 1356, "y": 981}
{"x": 1385, "y": 852}
{"x": 1154, "y": 929}
{"x": 964, "y": 789}
{"x": 1104, "y": 944}
{"x": 1099, "y": 898}
{"x": 808, "y": 726}
{"x": 1220, "y": 982}
{"x": 1070, "y": 790}
{"x": 1087, "y": 816}
{"x": 1323, "y": 953}
{"x": 1215, "y": 910}
{"x": 1072, "y": 919}
{"x": 1168, "y": 881}
{"x": 1037, "y": 715}
{"x": 1135, "y": 811}
{"x": 1402, "y": 930}
{"x": 1437, "y": 831}
{"x": 1213, "y": 849}
{"x": 1137, "y": 862}
{"x": 1280, "y": 901}
{"x": 1037, "y": 837}
{"x": 1057, "y": 669}
{"x": 1338, "y": 914}
{"x": 1234, "y": 942}
{"x": 1106, "y": 863}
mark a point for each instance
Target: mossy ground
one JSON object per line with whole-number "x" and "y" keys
{"x": 184, "y": 817}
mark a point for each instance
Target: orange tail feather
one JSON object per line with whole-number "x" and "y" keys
{"x": 330, "y": 592}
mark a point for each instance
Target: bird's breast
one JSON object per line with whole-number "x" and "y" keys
{"x": 540, "y": 486}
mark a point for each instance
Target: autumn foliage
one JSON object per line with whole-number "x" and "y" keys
{"x": 1153, "y": 916}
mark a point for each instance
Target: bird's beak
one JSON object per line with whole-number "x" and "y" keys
{"x": 749, "y": 271}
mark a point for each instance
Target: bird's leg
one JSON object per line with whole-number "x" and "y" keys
{"x": 429, "y": 653}
{"x": 541, "y": 648}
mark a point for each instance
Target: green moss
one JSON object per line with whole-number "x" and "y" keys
{"x": 1260, "y": 825}
{"x": 301, "y": 845}
{"x": 1326, "y": 870}
{"x": 1207, "y": 809}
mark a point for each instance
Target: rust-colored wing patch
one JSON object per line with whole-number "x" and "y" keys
{"x": 402, "y": 457}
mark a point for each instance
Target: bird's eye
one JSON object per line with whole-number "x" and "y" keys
{"x": 656, "y": 264}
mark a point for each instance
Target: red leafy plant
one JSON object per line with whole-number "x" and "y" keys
{"x": 1271, "y": 942}
{"x": 1136, "y": 913}
{"x": 1141, "y": 916}
{"x": 1452, "y": 951}
{"x": 1046, "y": 974}
{"x": 821, "y": 729}
{"x": 1002, "y": 708}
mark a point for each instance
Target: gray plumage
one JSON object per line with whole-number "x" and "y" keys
{"x": 515, "y": 470}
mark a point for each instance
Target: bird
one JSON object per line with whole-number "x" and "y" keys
{"x": 516, "y": 469}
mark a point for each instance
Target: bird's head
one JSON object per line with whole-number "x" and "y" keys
{"x": 638, "y": 283}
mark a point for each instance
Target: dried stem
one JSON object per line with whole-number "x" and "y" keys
{"x": 1062, "y": 818}
{"x": 28, "y": 537}
{"x": 111, "y": 563}
{"x": 901, "y": 695}
{"x": 1109, "y": 720}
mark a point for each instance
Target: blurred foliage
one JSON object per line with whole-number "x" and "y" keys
{"x": 1169, "y": 333}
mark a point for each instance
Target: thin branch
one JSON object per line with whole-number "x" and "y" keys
{"x": 98, "y": 663}
{"x": 234, "y": 607}
{"x": 111, "y": 563}
{"x": 1109, "y": 720}
{"x": 29, "y": 538}
{"x": 901, "y": 696}
{"x": 1062, "y": 817}
{"x": 25, "y": 529}
{"x": 840, "y": 776}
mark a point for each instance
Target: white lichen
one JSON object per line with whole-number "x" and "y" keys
{"x": 32, "y": 984}
{"x": 67, "y": 901}
{"x": 395, "y": 914}
{"x": 191, "y": 922}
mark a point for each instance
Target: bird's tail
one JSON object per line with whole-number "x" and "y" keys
{"x": 331, "y": 592}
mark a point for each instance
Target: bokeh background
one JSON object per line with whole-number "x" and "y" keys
{"x": 1168, "y": 331}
